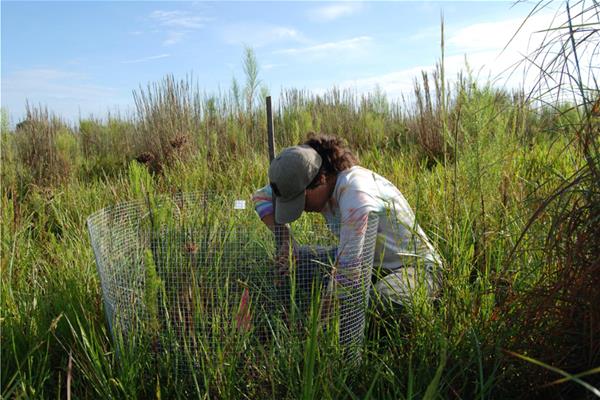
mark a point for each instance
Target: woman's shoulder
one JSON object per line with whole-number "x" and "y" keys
{"x": 355, "y": 173}
{"x": 364, "y": 180}
{"x": 355, "y": 180}
{"x": 358, "y": 177}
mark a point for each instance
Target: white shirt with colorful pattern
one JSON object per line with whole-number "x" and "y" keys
{"x": 358, "y": 192}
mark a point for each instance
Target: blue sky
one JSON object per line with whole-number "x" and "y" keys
{"x": 82, "y": 58}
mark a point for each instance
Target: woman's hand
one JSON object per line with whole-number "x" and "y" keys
{"x": 285, "y": 259}
{"x": 287, "y": 250}
{"x": 287, "y": 256}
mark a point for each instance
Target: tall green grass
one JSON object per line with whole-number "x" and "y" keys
{"x": 489, "y": 174}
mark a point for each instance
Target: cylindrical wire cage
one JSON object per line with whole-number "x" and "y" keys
{"x": 193, "y": 271}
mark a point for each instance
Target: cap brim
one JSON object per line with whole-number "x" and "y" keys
{"x": 289, "y": 210}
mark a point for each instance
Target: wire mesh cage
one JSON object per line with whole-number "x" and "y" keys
{"x": 199, "y": 275}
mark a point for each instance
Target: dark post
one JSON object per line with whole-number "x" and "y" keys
{"x": 271, "y": 141}
{"x": 270, "y": 135}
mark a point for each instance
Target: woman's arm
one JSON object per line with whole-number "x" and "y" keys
{"x": 347, "y": 275}
{"x": 263, "y": 204}
{"x": 282, "y": 230}
{"x": 355, "y": 207}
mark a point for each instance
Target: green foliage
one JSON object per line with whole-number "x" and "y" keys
{"x": 140, "y": 181}
{"x": 67, "y": 147}
{"x": 169, "y": 117}
{"x": 9, "y": 167}
{"x": 4, "y": 121}
{"x": 252, "y": 82}
{"x": 474, "y": 241}
{"x": 44, "y": 147}
{"x": 475, "y": 166}
{"x": 107, "y": 147}
{"x": 153, "y": 288}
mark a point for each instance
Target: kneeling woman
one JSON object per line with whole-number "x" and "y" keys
{"x": 322, "y": 175}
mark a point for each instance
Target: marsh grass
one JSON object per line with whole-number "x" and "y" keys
{"x": 506, "y": 188}
{"x": 401, "y": 357}
{"x": 45, "y": 146}
{"x": 106, "y": 146}
{"x": 565, "y": 295}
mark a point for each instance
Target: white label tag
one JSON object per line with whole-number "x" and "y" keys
{"x": 239, "y": 205}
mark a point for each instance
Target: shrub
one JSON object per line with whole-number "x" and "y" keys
{"x": 107, "y": 147}
{"x": 45, "y": 146}
{"x": 169, "y": 113}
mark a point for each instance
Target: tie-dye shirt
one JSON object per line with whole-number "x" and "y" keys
{"x": 358, "y": 192}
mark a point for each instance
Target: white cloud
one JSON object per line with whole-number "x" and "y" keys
{"x": 425, "y": 34}
{"x": 394, "y": 83}
{"x": 495, "y": 35}
{"x": 499, "y": 48}
{"x": 353, "y": 44}
{"x": 401, "y": 82}
{"x": 481, "y": 47}
{"x": 268, "y": 67}
{"x": 150, "y": 58}
{"x": 178, "y": 24}
{"x": 173, "y": 38}
{"x": 493, "y": 56}
{"x": 179, "y": 19}
{"x": 334, "y": 11}
{"x": 259, "y": 35}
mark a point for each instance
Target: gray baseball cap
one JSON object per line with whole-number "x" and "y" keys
{"x": 289, "y": 174}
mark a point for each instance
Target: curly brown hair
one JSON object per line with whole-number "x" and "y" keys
{"x": 334, "y": 152}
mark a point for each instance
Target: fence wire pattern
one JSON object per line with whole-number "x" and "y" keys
{"x": 194, "y": 274}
